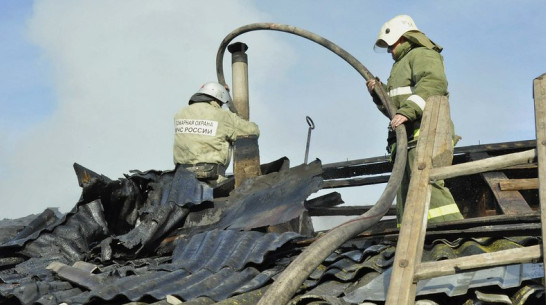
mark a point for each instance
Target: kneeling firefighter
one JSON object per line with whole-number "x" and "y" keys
{"x": 204, "y": 133}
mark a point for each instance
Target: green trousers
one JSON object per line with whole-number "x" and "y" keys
{"x": 442, "y": 205}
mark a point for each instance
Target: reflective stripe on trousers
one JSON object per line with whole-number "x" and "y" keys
{"x": 443, "y": 210}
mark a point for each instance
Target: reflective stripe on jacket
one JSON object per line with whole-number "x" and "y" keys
{"x": 203, "y": 133}
{"x": 417, "y": 74}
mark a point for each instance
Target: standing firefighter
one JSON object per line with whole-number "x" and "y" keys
{"x": 417, "y": 74}
{"x": 204, "y": 133}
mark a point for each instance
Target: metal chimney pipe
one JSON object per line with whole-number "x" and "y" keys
{"x": 239, "y": 64}
{"x": 246, "y": 153}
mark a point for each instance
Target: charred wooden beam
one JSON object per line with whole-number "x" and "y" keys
{"x": 497, "y": 231}
{"x": 381, "y": 164}
{"x": 355, "y": 181}
{"x": 497, "y": 148}
{"x": 345, "y": 171}
{"x": 345, "y": 211}
{"x": 510, "y": 202}
{"x": 324, "y": 201}
{"x": 486, "y": 221}
{"x": 491, "y": 226}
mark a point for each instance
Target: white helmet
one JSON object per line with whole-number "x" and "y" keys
{"x": 393, "y": 29}
{"x": 214, "y": 90}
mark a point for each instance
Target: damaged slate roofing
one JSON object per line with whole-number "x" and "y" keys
{"x": 111, "y": 245}
{"x": 162, "y": 237}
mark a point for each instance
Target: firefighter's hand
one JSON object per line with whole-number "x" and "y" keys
{"x": 398, "y": 120}
{"x": 371, "y": 84}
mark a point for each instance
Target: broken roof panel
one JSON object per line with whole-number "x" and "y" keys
{"x": 69, "y": 240}
{"x": 272, "y": 199}
{"x": 226, "y": 248}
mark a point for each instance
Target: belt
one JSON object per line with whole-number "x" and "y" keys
{"x": 205, "y": 170}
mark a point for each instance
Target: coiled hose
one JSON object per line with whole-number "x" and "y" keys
{"x": 289, "y": 281}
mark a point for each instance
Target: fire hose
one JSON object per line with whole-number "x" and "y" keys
{"x": 290, "y": 280}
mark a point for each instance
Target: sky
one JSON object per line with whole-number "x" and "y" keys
{"x": 97, "y": 82}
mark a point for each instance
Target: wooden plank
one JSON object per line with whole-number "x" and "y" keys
{"x": 510, "y": 202}
{"x": 526, "y": 166}
{"x": 442, "y": 154}
{"x": 409, "y": 249}
{"x": 489, "y": 164}
{"x": 519, "y": 184}
{"x": 506, "y": 257}
{"x": 539, "y": 94}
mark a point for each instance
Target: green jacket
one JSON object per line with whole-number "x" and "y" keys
{"x": 204, "y": 132}
{"x": 417, "y": 74}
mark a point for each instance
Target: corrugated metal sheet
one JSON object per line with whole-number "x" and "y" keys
{"x": 353, "y": 265}
{"x": 66, "y": 241}
{"x": 271, "y": 199}
{"x": 200, "y": 266}
{"x": 215, "y": 285}
{"x": 126, "y": 200}
{"x": 444, "y": 249}
{"x": 226, "y": 248}
{"x": 457, "y": 284}
{"x": 40, "y": 292}
{"x": 16, "y": 232}
{"x": 44, "y": 222}
{"x": 346, "y": 268}
{"x": 211, "y": 264}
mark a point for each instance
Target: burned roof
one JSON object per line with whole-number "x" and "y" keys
{"x": 135, "y": 239}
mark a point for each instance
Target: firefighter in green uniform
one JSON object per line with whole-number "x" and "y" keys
{"x": 417, "y": 74}
{"x": 204, "y": 133}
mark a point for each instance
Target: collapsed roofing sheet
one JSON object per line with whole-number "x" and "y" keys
{"x": 107, "y": 246}
{"x": 111, "y": 248}
{"x": 272, "y": 199}
{"x": 201, "y": 266}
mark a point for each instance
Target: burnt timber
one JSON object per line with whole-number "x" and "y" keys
{"x": 477, "y": 195}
